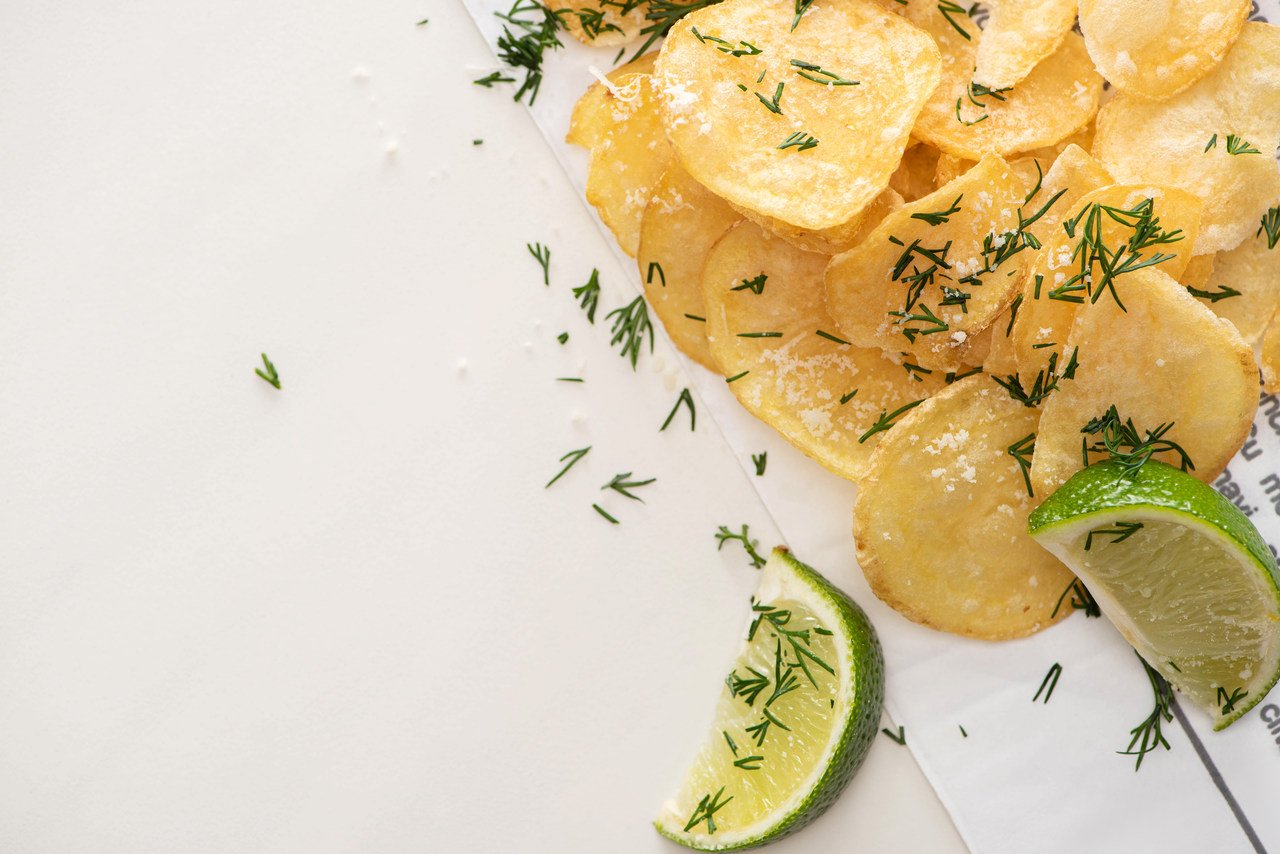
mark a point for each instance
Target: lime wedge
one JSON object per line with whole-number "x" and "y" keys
{"x": 796, "y": 716}
{"x": 1182, "y": 573}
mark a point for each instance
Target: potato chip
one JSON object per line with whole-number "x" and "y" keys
{"x": 1199, "y": 270}
{"x": 829, "y": 241}
{"x": 913, "y": 178}
{"x": 1018, "y": 35}
{"x": 1156, "y": 48}
{"x": 1270, "y": 357}
{"x": 1059, "y": 283}
{"x": 628, "y": 156}
{"x": 600, "y": 24}
{"x": 935, "y": 272}
{"x": 1058, "y": 98}
{"x": 770, "y": 119}
{"x": 593, "y": 113}
{"x": 1167, "y": 359}
{"x": 940, "y": 521}
{"x": 681, "y": 223}
{"x": 821, "y": 394}
{"x": 1244, "y": 286}
{"x": 1216, "y": 139}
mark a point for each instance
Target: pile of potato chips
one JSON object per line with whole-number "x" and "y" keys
{"x": 929, "y": 253}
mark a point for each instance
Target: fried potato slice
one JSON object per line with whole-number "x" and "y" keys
{"x": 940, "y": 521}
{"x": 628, "y": 156}
{"x": 1166, "y": 359}
{"x": 913, "y": 178}
{"x": 1056, "y": 99}
{"x": 682, "y": 221}
{"x": 1185, "y": 142}
{"x": 598, "y": 24}
{"x": 593, "y": 113}
{"x": 829, "y": 241}
{"x": 1198, "y": 272}
{"x": 728, "y": 123}
{"x": 1270, "y": 357}
{"x": 1054, "y": 289}
{"x": 1252, "y": 270}
{"x": 1018, "y": 35}
{"x": 943, "y": 240}
{"x": 1157, "y": 48}
{"x": 820, "y": 394}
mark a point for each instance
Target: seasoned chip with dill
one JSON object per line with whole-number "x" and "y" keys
{"x": 601, "y": 23}
{"x": 801, "y": 118}
{"x": 1178, "y": 367}
{"x": 769, "y": 330}
{"x": 940, "y": 521}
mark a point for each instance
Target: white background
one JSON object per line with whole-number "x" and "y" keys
{"x": 344, "y": 616}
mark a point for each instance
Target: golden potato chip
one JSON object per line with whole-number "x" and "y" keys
{"x": 600, "y": 24}
{"x": 628, "y": 157}
{"x": 1018, "y": 35}
{"x": 1156, "y": 48}
{"x": 1166, "y": 360}
{"x": 913, "y": 178}
{"x": 1058, "y": 98}
{"x": 838, "y": 238}
{"x": 1216, "y": 139}
{"x": 1198, "y": 271}
{"x": 935, "y": 272}
{"x": 771, "y": 334}
{"x": 681, "y": 223}
{"x": 940, "y": 521}
{"x": 1270, "y": 357}
{"x": 1129, "y": 226}
{"x": 593, "y": 113}
{"x": 802, "y": 125}
{"x": 1244, "y": 286}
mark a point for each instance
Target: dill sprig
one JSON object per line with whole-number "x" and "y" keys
{"x": 488, "y": 80}
{"x": 630, "y": 329}
{"x": 572, "y": 457}
{"x": 525, "y": 51}
{"x": 662, "y": 15}
{"x": 1022, "y": 451}
{"x": 724, "y": 535}
{"x": 1081, "y": 600}
{"x": 756, "y": 285}
{"x": 774, "y": 104}
{"x": 588, "y": 295}
{"x": 706, "y": 810}
{"x": 1271, "y": 225}
{"x": 900, "y": 736}
{"x": 833, "y": 338}
{"x": 887, "y": 420}
{"x": 622, "y": 484}
{"x": 591, "y": 20}
{"x": 802, "y": 6}
{"x": 605, "y": 514}
{"x": 818, "y": 74}
{"x": 1124, "y": 443}
{"x": 270, "y": 375}
{"x": 542, "y": 255}
{"x": 1121, "y": 532}
{"x": 1223, "y": 292}
{"x": 1239, "y": 145}
{"x": 742, "y": 49}
{"x": 1050, "y": 682}
{"x": 749, "y": 763}
{"x": 760, "y": 460}
{"x": 932, "y": 324}
{"x": 685, "y": 399}
{"x": 748, "y": 688}
{"x": 1148, "y": 735}
{"x": 1045, "y": 383}
{"x": 799, "y": 140}
{"x": 799, "y": 642}
{"x": 1127, "y": 257}
{"x": 974, "y": 93}
{"x": 939, "y": 217}
{"x": 759, "y": 335}
{"x": 948, "y": 8}
{"x": 655, "y": 267}
{"x": 736, "y": 377}
{"x": 1228, "y": 701}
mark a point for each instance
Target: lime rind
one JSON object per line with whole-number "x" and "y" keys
{"x": 1169, "y": 501}
{"x": 860, "y": 661}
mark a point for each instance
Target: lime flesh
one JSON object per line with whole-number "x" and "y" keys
{"x": 1180, "y": 571}
{"x": 795, "y": 718}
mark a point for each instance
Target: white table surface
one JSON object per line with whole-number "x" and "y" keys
{"x": 344, "y": 616}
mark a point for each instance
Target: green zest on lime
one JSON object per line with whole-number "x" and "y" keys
{"x": 796, "y": 716}
{"x": 1181, "y": 572}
